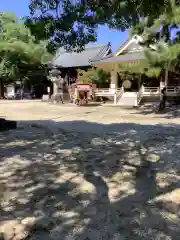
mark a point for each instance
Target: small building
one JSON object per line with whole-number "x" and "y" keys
{"x": 69, "y": 62}
{"x": 139, "y": 87}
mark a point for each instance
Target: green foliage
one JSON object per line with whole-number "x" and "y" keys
{"x": 97, "y": 76}
{"x": 72, "y": 24}
{"x": 141, "y": 67}
{"x": 162, "y": 51}
{"x": 18, "y": 51}
{"x": 63, "y": 23}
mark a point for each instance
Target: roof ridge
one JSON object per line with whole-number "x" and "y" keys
{"x": 134, "y": 39}
{"x": 73, "y": 58}
{"x": 104, "y": 58}
{"x": 138, "y": 56}
{"x": 122, "y": 45}
{"x": 101, "y": 52}
{"x": 97, "y": 45}
{"x": 62, "y": 50}
{"x": 86, "y": 47}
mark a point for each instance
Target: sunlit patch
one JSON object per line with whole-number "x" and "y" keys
{"x": 167, "y": 215}
{"x": 118, "y": 194}
{"x": 165, "y": 179}
{"x": 98, "y": 141}
{"x": 153, "y": 157}
{"x": 35, "y": 187}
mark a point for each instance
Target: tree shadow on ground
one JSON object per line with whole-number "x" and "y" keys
{"x": 170, "y": 112}
{"x": 92, "y": 181}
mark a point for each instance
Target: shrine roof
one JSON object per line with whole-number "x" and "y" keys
{"x": 130, "y": 51}
{"x": 90, "y": 54}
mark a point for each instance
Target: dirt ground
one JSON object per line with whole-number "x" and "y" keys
{"x": 96, "y": 172}
{"x": 36, "y": 110}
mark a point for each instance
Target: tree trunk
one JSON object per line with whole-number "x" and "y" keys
{"x": 166, "y": 76}
{"x": 162, "y": 103}
{"x": 1, "y": 89}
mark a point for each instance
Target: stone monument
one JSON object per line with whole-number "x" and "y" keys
{"x": 59, "y": 86}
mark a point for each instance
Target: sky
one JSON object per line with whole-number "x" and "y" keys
{"x": 105, "y": 35}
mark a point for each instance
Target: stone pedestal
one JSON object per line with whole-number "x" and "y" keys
{"x": 55, "y": 88}
{"x": 59, "y": 89}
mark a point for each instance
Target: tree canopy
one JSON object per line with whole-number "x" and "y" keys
{"x": 93, "y": 75}
{"x": 18, "y": 50}
{"x": 161, "y": 39}
{"x": 72, "y": 24}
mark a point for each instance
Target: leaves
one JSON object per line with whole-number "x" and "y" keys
{"x": 97, "y": 76}
{"x": 140, "y": 67}
{"x": 72, "y": 24}
{"x": 18, "y": 50}
{"x": 64, "y": 23}
{"x": 161, "y": 45}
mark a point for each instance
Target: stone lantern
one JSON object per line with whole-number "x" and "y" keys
{"x": 58, "y": 83}
{"x": 55, "y": 78}
{"x": 54, "y": 72}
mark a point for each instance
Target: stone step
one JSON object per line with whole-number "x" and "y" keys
{"x": 128, "y": 99}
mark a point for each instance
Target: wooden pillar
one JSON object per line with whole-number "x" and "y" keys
{"x": 114, "y": 79}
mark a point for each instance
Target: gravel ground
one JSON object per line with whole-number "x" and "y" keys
{"x": 69, "y": 175}
{"x": 118, "y": 184}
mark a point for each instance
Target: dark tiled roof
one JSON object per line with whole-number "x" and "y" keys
{"x": 104, "y": 58}
{"x": 77, "y": 59}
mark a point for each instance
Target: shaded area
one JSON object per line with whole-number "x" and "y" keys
{"x": 7, "y": 125}
{"x": 170, "y": 112}
{"x": 93, "y": 181}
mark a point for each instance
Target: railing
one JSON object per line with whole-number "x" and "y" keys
{"x": 173, "y": 91}
{"x": 103, "y": 92}
{"x": 116, "y": 93}
{"x": 151, "y": 91}
{"x": 143, "y": 92}
{"x": 120, "y": 89}
{"x": 119, "y": 93}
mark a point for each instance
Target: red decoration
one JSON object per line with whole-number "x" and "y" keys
{"x": 83, "y": 87}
